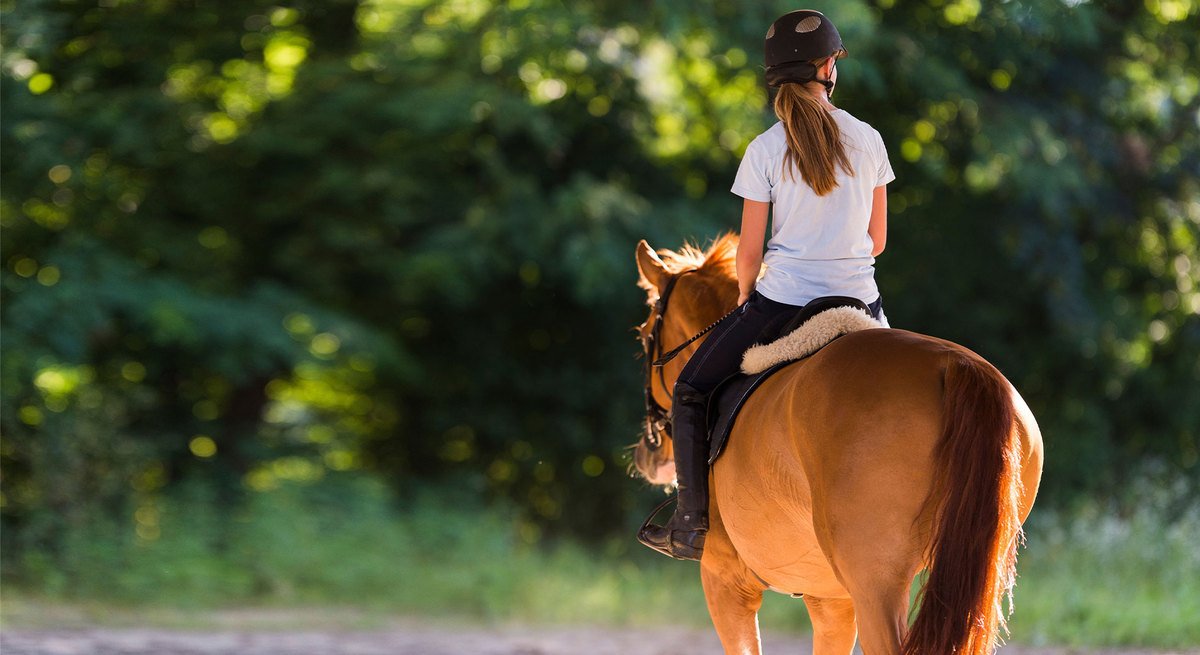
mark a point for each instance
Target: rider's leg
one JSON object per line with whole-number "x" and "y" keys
{"x": 683, "y": 535}
{"x": 877, "y": 311}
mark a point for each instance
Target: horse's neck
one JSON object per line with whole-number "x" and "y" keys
{"x": 722, "y": 298}
{"x": 704, "y": 305}
{"x": 711, "y": 313}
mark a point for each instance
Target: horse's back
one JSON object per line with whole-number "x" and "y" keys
{"x": 873, "y": 395}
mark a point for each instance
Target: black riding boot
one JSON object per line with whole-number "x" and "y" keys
{"x": 683, "y": 536}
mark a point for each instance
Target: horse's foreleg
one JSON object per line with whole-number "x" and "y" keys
{"x": 834, "y": 629}
{"x": 734, "y": 611}
{"x": 733, "y": 593}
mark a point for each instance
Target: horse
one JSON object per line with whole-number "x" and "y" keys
{"x": 848, "y": 473}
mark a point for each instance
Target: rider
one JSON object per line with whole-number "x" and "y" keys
{"x": 826, "y": 173}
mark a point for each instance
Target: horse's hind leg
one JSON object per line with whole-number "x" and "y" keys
{"x": 877, "y": 568}
{"x": 833, "y": 625}
{"x": 882, "y": 621}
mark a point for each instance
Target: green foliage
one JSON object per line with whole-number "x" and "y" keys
{"x": 254, "y": 244}
{"x": 1025, "y": 138}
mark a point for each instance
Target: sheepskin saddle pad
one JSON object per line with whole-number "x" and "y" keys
{"x": 816, "y": 325}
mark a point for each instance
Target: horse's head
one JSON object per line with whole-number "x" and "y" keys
{"x": 685, "y": 291}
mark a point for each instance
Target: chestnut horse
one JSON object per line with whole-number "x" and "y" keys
{"x": 847, "y": 473}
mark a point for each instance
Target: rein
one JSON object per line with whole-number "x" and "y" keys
{"x": 671, "y": 355}
{"x": 658, "y": 420}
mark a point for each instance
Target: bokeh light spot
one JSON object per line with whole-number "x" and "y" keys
{"x": 298, "y": 324}
{"x": 30, "y": 415}
{"x": 501, "y": 470}
{"x": 599, "y": 106}
{"x": 340, "y": 460}
{"x": 325, "y": 344}
{"x": 25, "y": 267}
{"x": 48, "y": 276}
{"x": 40, "y": 83}
{"x": 202, "y": 446}
{"x": 924, "y": 131}
{"x": 213, "y": 237}
{"x": 206, "y": 410}
{"x": 1001, "y": 80}
{"x": 593, "y": 466}
{"x": 459, "y": 445}
{"x": 52, "y": 381}
{"x": 284, "y": 55}
{"x": 59, "y": 174}
{"x": 133, "y": 371}
{"x": 221, "y": 127}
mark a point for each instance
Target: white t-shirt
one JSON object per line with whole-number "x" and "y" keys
{"x": 818, "y": 245}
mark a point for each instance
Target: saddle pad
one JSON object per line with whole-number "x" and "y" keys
{"x": 832, "y": 318}
{"x": 807, "y": 339}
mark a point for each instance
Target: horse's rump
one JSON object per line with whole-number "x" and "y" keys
{"x": 901, "y": 441}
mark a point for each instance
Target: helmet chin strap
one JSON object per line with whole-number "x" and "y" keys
{"x": 828, "y": 84}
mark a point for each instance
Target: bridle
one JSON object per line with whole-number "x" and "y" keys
{"x": 658, "y": 418}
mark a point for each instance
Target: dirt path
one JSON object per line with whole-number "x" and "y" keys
{"x": 35, "y": 628}
{"x": 416, "y": 638}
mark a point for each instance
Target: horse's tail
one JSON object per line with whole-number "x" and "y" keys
{"x": 973, "y": 553}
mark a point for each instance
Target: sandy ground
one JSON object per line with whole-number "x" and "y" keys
{"x": 413, "y": 638}
{"x": 29, "y": 627}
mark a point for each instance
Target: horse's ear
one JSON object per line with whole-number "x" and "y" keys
{"x": 652, "y": 269}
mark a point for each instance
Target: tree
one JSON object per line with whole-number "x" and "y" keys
{"x": 260, "y": 241}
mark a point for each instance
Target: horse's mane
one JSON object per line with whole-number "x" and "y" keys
{"x": 718, "y": 261}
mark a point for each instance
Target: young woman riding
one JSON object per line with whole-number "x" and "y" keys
{"x": 825, "y": 172}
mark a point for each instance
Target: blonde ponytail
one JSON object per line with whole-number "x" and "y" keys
{"x": 814, "y": 139}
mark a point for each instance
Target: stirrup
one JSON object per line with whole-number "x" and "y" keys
{"x": 646, "y": 523}
{"x": 676, "y": 549}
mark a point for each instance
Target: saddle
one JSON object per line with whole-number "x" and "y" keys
{"x": 813, "y": 327}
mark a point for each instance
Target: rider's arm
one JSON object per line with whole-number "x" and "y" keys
{"x": 878, "y": 226}
{"x": 750, "y": 246}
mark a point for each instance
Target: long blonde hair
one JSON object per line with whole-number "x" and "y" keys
{"x": 814, "y": 139}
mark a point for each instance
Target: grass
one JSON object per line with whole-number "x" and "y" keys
{"x": 1114, "y": 573}
{"x": 1095, "y": 576}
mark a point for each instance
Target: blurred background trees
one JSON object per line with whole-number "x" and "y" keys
{"x": 257, "y": 244}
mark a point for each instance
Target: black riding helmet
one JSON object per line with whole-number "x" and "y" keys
{"x": 793, "y": 41}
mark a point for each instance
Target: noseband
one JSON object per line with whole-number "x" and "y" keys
{"x": 658, "y": 418}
